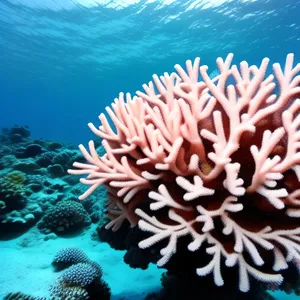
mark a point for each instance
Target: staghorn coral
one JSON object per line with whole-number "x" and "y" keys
{"x": 209, "y": 164}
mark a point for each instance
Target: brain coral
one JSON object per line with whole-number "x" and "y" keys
{"x": 211, "y": 162}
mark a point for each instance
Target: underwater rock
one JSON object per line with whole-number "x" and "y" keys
{"x": 65, "y": 158}
{"x": 8, "y": 160}
{"x": 32, "y": 151}
{"x": 56, "y": 170}
{"x": 46, "y": 159}
{"x": 21, "y": 130}
{"x": 54, "y": 146}
{"x": 16, "y": 138}
{"x": 59, "y": 186}
{"x": 18, "y": 221}
{"x": 35, "y": 187}
{"x": 50, "y": 236}
{"x": 16, "y": 134}
{"x": 29, "y": 217}
{"x": 26, "y": 166}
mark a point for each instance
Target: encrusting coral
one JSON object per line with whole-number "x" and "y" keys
{"x": 212, "y": 164}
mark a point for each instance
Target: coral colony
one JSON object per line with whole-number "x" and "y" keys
{"x": 209, "y": 160}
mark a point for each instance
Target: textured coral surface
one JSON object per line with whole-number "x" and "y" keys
{"x": 210, "y": 161}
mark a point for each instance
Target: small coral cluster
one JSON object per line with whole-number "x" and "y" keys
{"x": 81, "y": 280}
{"x": 209, "y": 168}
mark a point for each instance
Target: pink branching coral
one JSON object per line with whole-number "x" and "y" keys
{"x": 216, "y": 159}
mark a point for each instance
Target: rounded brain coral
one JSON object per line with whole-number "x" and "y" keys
{"x": 212, "y": 159}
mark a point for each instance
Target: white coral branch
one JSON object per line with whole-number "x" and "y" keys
{"x": 194, "y": 190}
{"x": 273, "y": 196}
{"x": 163, "y": 199}
{"x": 266, "y": 175}
{"x": 231, "y": 260}
{"x": 206, "y": 216}
{"x": 291, "y": 126}
{"x": 266, "y": 238}
{"x": 244, "y": 238}
{"x": 117, "y": 220}
{"x": 263, "y": 164}
{"x": 288, "y": 85}
{"x": 289, "y": 240}
{"x": 245, "y": 269}
{"x": 162, "y": 231}
{"x": 213, "y": 266}
{"x": 232, "y": 183}
{"x": 119, "y": 174}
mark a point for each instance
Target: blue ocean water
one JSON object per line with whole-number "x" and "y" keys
{"x": 63, "y": 61}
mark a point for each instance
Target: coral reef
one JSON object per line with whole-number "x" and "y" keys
{"x": 34, "y": 179}
{"x": 81, "y": 280}
{"x": 208, "y": 168}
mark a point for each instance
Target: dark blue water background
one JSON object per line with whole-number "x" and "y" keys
{"x": 62, "y": 62}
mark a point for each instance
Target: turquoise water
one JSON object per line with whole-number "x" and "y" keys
{"x": 63, "y": 61}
